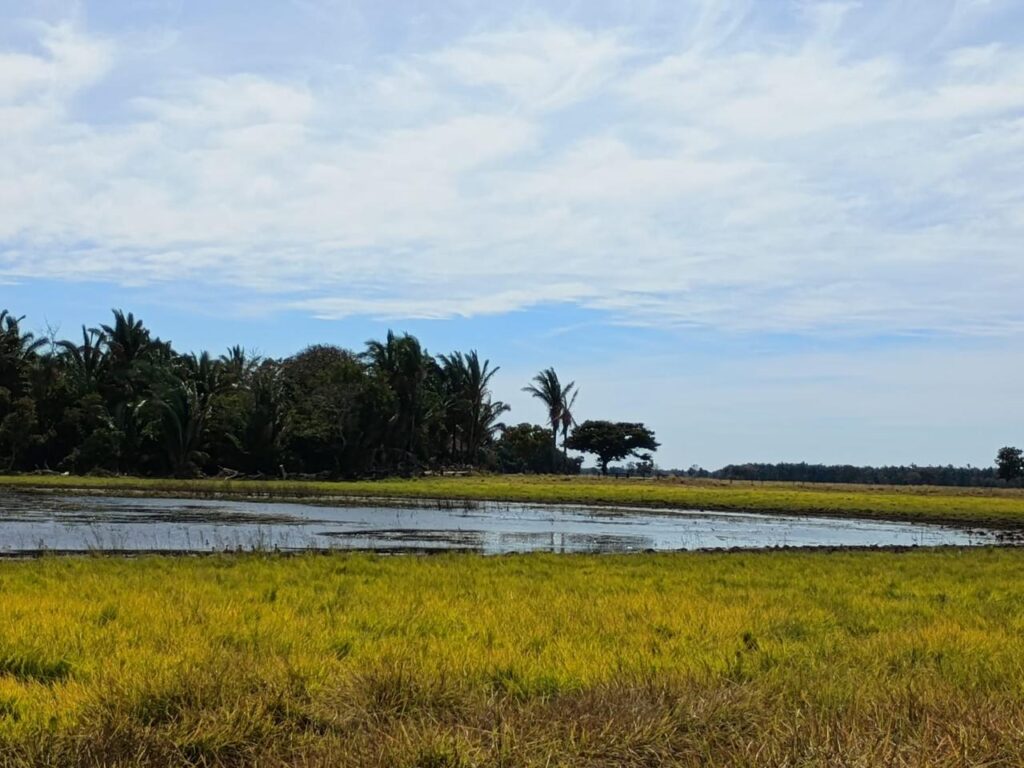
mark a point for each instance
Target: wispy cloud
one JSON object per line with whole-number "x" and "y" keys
{"x": 738, "y": 170}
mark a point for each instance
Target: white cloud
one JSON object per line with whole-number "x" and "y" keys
{"x": 70, "y": 61}
{"x": 539, "y": 67}
{"x": 736, "y": 179}
{"x": 245, "y": 101}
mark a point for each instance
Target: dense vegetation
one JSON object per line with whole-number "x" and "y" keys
{"x": 121, "y": 401}
{"x": 807, "y": 659}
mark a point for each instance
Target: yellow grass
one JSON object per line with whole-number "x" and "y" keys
{"x": 795, "y": 659}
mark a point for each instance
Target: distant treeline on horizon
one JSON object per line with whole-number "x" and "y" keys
{"x": 802, "y": 472}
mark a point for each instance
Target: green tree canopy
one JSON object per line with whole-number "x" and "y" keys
{"x": 611, "y": 440}
{"x": 1010, "y": 463}
{"x": 525, "y": 448}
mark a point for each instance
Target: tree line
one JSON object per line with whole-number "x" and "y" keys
{"x": 118, "y": 399}
{"x": 1005, "y": 472}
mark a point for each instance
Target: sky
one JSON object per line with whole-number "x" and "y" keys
{"x": 774, "y": 231}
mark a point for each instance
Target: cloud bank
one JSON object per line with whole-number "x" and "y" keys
{"x": 819, "y": 170}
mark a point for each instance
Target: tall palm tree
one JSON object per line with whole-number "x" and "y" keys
{"x": 448, "y": 389}
{"x": 403, "y": 365}
{"x": 556, "y": 398}
{"x": 568, "y": 421}
{"x": 475, "y": 412}
{"x": 135, "y": 360}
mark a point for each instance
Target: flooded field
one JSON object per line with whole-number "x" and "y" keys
{"x": 34, "y": 523}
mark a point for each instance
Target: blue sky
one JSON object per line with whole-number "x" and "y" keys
{"x": 773, "y": 231}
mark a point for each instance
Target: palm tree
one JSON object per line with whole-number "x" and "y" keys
{"x": 15, "y": 343}
{"x": 184, "y": 421}
{"x": 188, "y": 407}
{"x": 128, "y": 339}
{"x": 86, "y": 361}
{"x": 262, "y": 436}
{"x": 239, "y": 364}
{"x": 568, "y": 421}
{"x": 475, "y": 412}
{"x": 403, "y": 365}
{"x": 487, "y": 421}
{"x": 209, "y": 377}
{"x": 135, "y": 360}
{"x": 556, "y": 397}
{"x": 17, "y": 352}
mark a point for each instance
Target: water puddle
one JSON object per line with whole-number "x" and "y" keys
{"x": 34, "y": 523}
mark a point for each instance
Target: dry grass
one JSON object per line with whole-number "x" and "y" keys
{"x": 788, "y": 659}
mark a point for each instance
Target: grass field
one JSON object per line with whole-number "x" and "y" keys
{"x": 788, "y": 659}
{"x": 970, "y": 506}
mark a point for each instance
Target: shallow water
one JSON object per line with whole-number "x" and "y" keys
{"x": 33, "y": 523}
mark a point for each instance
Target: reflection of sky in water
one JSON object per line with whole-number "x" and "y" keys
{"x": 37, "y": 522}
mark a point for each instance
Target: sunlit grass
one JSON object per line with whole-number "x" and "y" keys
{"x": 960, "y": 505}
{"x": 761, "y": 658}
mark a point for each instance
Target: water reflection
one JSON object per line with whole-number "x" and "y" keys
{"x": 30, "y": 523}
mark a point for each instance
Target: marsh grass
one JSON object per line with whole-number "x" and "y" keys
{"x": 784, "y": 658}
{"x": 963, "y": 506}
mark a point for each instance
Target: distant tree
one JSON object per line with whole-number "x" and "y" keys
{"x": 322, "y": 387}
{"x": 1010, "y": 463}
{"x": 17, "y": 430}
{"x": 525, "y": 448}
{"x": 612, "y": 441}
{"x": 557, "y": 398}
{"x": 96, "y": 443}
{"x": 645, "y": 465}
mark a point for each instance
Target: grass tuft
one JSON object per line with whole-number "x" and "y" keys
{"x": 32, "y": 666}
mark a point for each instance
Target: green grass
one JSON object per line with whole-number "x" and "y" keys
{"x": 972, "y": 506}
{"x": 795, "y": 659}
